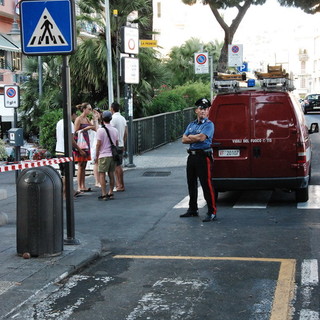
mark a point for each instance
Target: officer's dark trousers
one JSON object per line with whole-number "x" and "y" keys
{"x": 199, "y": 166}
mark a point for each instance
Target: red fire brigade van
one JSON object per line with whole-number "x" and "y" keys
{"x": 261, "y": 140}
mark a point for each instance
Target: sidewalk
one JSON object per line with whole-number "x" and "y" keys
{"x": 26, "y": 280}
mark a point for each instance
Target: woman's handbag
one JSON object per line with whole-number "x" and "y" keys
{"x": 81, "y": 141}
{"x": 115, "y": 150}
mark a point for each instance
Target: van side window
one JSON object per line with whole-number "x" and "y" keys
{"x": 231, "y": 122}
{"x": 272, "y": 120}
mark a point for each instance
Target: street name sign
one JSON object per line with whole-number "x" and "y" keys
{"x": 148, "y": 43}
{"x": 47, "y": 27}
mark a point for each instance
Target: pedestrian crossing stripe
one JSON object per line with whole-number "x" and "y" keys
{"x": 47, "y": 33}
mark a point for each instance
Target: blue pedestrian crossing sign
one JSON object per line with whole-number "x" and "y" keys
{"x": 47, "y": 27}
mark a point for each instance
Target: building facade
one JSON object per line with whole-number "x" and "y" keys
{"x": 10, "y": 57}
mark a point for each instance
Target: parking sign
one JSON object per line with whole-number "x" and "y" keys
{"x": 201, "y": 63}
{"x": 235, "y": 55}
{"x": 11, "y": 96}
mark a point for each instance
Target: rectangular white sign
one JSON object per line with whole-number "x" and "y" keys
{"x": 11, "y": 96}
{"x": 130, "y": 69}
{"x": 201, "y": 63}
{"x": 235, "y": 55}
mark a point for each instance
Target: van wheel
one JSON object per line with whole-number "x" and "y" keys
{"x": 302, "y": 195}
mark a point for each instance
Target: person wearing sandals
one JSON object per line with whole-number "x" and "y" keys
{"x": 104, "y": 155}
{"x": 82, "y": 125}
{"x": 119, "y": 122}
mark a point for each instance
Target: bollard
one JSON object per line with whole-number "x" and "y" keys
{"x": 39, "y": 212}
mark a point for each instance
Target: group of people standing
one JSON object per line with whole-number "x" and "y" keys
{"x": 110, "y": 127}
{"x": 92, "y": 138}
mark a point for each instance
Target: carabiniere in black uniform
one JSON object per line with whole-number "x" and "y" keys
{"x": 198, "y": 135}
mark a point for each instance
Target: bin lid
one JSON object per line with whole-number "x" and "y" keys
{"x": 34, "y": 176}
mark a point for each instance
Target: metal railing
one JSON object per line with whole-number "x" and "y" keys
{"x": 155, "y": 131}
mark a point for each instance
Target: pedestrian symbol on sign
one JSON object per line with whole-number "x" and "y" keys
{"x": 47, "y": 33}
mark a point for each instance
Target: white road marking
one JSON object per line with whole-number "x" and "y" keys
{"x": 184, "y": 203}
{"x": 46, "y": 308}
{"x": 309, "y": 279}
{"x": 255, "y": 199}
{"x": 173, "y": 298}
{"x": 306, "y": 314}
{"x": 314, "y": 199}
{"x": 309, "y": 273}
{"x": 6, "y": 285}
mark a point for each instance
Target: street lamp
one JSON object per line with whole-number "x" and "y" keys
{"x": 14, "y": 32}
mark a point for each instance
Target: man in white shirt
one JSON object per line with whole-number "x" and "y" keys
{"x": 120, "y": 123}
{"x": 60, "y": 145}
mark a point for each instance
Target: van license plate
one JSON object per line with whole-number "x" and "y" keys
{"x": 229, "y": 153}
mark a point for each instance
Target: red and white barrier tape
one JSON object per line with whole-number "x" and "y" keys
{"x": 33, "y": 164}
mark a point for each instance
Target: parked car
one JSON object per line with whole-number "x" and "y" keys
{"x": 310, "y": 103}
{"x": 261, "y": 141}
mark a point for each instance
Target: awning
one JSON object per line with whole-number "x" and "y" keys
{"x": 7, "y": 45}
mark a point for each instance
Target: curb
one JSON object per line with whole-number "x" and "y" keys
{"x": 61, "y": 268}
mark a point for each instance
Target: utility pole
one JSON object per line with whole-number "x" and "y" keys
{"x": 109, "y": 55}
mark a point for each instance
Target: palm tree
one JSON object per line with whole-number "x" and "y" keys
{"x": 181, "y": 63}
{"x": 88, "y": 64}
{"x": 32, "y": 105}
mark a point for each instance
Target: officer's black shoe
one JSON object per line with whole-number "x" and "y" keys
{"x": 210, "y": 217}
{"x": 190, "y": 213}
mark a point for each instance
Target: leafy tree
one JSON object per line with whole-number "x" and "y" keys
{"x": 309, "y": 6}
{"x": 88, "y": 64}
{"x": 32, "y": 105}
{"x": 180, "y": 66}
{"x": 178, "y": 98}
{"x": 48, "y": 129}
{"x": 229, "y": 31}
{"x": 153, "y": 74}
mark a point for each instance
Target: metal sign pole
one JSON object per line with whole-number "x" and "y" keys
{"x": 17, "y": 149}
{"x": 130, "y": 126}
{"x": 109, "y": 54}
{"x": 68, "y": 153}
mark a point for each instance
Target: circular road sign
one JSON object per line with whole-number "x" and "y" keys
{"x": 201, "y": 58}
{"x": 131, "y": 44}
{"x": 235, "y": 49}
{"x": 11, "y": 92}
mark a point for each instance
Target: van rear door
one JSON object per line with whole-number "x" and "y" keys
{"x": 274, "y": 135}
{"x": 230, "y": 114}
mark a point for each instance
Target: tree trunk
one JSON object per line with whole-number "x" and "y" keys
{"x": 229, "y": 32}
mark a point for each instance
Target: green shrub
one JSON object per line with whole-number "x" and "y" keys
{"x": 193, "y": 91}
{"x": 167, "y": 101}
{"x": 178, "y": 98}
{"x": 3, "y": 153}
{"x": 47, "y": 126}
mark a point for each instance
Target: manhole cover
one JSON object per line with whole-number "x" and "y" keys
{"x": 156, "y": 173}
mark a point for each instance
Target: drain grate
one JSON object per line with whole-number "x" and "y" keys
{"x": 156, "y": 173}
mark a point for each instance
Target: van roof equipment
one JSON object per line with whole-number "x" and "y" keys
{"x": 276, "y": 79}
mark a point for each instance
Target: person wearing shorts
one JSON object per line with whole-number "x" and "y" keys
{"x": 104, "y": 155}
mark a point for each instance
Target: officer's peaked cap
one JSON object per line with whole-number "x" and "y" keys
{"x": 203, "y": 103}
{"x": 106, "y": 116}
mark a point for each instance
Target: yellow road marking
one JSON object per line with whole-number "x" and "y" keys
{"x": 285, "y": 284}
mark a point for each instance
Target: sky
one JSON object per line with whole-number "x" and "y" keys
{"x": 268, "y": 32}
{"x": 271, "y": 32}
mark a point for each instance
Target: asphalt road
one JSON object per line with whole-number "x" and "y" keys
{"x": 258, "y": 261}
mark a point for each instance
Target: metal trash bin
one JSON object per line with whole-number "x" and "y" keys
{"x": 39, "y": 212}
